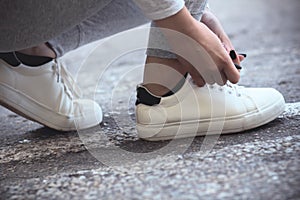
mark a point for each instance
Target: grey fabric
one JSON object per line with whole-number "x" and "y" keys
{"x": 69, "y": 24}
{"x": 196, "y": 8}
{"x": 27, "y": 23}
{"x": 160, "y": 9}
{"x": 119, "y": 15}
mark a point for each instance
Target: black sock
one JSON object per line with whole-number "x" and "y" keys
{"x": 10, "y": 59}
{"x": 33, "y": 61}
{"x": 16, "y": 58}
{"x": 144, "y": 97}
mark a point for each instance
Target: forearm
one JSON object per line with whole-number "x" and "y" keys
{"x": 193, "y": 34}
{"x": 184, "y": 23}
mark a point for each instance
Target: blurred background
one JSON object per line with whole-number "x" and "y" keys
{"x": 39, "y": 163}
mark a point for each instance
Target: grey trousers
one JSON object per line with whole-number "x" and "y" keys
{"x": 69, "y": 24}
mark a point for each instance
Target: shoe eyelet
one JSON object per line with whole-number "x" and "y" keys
{"x": 211, "y": 87}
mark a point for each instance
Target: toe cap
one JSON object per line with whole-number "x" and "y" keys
{"x": 87, "y": 113}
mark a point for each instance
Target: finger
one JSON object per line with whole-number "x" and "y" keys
{"x": 231, "y": 72}
{"x": 241, "y": 57}
{"x": 197, "y": 78}
{"x": 208, "y": 75}
{"x": 234, "y": 57}
{"x": 238, "y": 67}
{"x": 195, "y": 74}
{"x": 218, "y": 77}
{"x": 221, "y": 79}
{"x": 209, "y": 78}
{"x": 226, "y": 47}
{"x": 243, "y": 54}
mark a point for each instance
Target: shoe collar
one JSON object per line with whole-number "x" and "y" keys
{"x": 144, "y": 96}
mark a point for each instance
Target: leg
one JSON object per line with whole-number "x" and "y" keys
{"x": 116, "y": 17}
{"x": 61, "y": 107}
{"x": 193, "y": 110}
{"x": 166, "y": 63}
{"x": 28, "y": 24}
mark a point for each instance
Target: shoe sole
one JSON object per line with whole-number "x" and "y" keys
{"x": 212, "y": 126}
{"x": 33, "y": 111}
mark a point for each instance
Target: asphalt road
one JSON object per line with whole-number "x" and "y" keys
{"x": 39, "y": 163}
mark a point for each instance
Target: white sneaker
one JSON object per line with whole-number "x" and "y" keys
{"x": 213, "y": 109}
{"x": 47, "y": 94}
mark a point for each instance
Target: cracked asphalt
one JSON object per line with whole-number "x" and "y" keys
{"x": 264, "y": 163}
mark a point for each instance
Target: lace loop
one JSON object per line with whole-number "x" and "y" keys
{"x": 64, "y": 77}
{"x": 233, "y": 89}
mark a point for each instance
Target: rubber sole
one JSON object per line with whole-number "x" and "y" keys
{"x": 212, "y": 126}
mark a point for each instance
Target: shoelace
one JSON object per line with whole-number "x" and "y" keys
{"x": 234, "y": 88}
{"x": 64, "y": 77}
{"x": 231, "y": 88}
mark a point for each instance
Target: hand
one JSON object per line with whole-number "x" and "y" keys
{"x": 212, "y": 22}
{"x": 236, "y": 58}
{"x": 205, "y": 58}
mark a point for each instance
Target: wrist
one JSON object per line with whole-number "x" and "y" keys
{"x": 182, "y": 21}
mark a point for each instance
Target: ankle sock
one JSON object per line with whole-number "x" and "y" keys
{"x": 144, "y": 97}
{"x": 16, "y": 58}
{"x": 10, "y": 59}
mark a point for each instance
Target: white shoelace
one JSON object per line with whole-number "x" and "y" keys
{"x": 229, "y": 87}
{"x": 234, "y": 88}
{"x": 64, "y": 77}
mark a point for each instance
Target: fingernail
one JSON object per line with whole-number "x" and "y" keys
{"x": 237, "y": 66}
{"x": 232, "y": 54}
{"x": 243, "y": 54}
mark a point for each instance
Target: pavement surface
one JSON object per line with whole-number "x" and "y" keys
{"x": 264, "y": 163}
